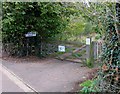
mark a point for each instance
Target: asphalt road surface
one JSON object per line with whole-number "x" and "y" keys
{"x": 12, "y": 83}
{"x": 8, "y": 85}
{"x": 49, "y": 75}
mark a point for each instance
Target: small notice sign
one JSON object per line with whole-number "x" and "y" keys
{"x": 30, "y": 34}
{"x": 61, "y": 48}
{"x": 88, "y": 40}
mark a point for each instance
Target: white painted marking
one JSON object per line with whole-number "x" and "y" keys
{"x": 19, "y": 82}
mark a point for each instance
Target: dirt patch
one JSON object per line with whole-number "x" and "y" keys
{"x": 33, "y": 59}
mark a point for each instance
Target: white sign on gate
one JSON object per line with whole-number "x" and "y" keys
{"x": 61, "y": 48}
{"x": 88, "y": 41}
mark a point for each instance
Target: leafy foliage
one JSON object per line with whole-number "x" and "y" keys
{"x": 108, "y": 25}
{"x": 46, "y": 18}
{"x": 89, "y": 86}
{"x": 110, "y": 71}
{"x": 96, "y": 15}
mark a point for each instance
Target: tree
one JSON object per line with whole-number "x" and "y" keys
{"x": 46, "y": 18}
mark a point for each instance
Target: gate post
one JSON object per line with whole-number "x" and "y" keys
{"x": 89, "y": 52}
{"x": 88, "y": 42}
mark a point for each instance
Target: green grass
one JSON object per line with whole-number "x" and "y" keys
{"x": 86, "y": 83}
{"x": 78, "y": 54}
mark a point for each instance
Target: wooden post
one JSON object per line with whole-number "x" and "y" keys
{"x": 89, "y": 52}
{"x": 88, "y": 42}
{"x": 95, "y": 49}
